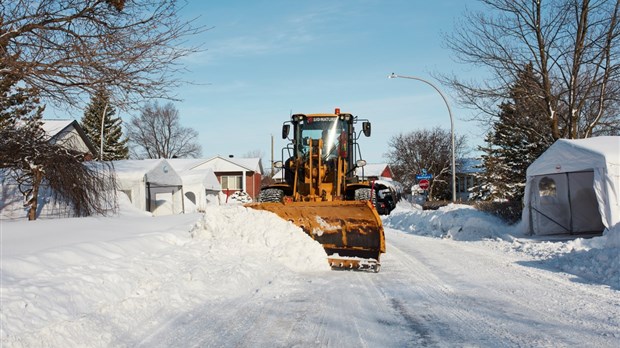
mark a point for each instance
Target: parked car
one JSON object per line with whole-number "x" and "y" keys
{"x": 387, "y": 194}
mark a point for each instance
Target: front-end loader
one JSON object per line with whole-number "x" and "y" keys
{"x": 321, "y": 192}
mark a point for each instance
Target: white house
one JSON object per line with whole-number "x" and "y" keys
{"x": 236, "y": 174}
{"x": 467, "y": 171}
{"x": 151, "y": 185}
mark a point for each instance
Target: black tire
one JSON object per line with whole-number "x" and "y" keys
{"x": 362, "y": 194}
{"x": 270, "y": 195}
{"x": 365, "y": 194}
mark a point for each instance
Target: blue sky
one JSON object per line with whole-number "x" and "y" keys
{"x": 265, "y": 59}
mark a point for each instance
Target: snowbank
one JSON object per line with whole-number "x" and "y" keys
{"x": 90, "y": 281}
{"x": 454, "y": 221}
{"x": 592, "y": 259}
{"x": 262, "y": 233}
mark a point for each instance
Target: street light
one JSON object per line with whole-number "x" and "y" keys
{"x": 105, "y": 110}
{"x": 393, "y": 76}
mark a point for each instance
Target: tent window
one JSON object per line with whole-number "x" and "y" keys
{"x": 546, "y": 187}
{"x": 191, "y": 196}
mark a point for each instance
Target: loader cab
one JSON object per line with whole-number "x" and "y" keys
{"x": 334, "y": 131}
{"x": 339, "y": 140}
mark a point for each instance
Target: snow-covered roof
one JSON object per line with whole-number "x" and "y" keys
{"x": 469, "y": 166}
{"x": 606, "y": 146}
{"x": 183, "y": 164}
{"x": 372, "y": 170}
{"x": 193, "y": 175}
{"x": 570, "y": 155}
{"x": 54, "y": 127}
{"x": 253, "y": 164}
{"x": 223, "y": 164}
{"x": 155, "y": 171}
{"x": 61, "y": 130}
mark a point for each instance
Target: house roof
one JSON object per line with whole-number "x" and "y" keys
{"x": 219, "y": 163}
{"x": 372, "y": 170}
{"x": 469, "y": 166}
{"x": 53, "y": 128}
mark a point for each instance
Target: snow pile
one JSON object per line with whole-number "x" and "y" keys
{"x": 239, "y": 197}
{"x": 454, "y": 221}
{"x": 597, "y": 265}
{"x": 92, "y": 281}
{"x": 613, "y": 237}
{"x": 262, "y": 233}
{"x": 594, "y": 259}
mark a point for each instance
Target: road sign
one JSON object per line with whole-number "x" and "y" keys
{"x": 424, "y": 184}
{"x": 424, "y": 176}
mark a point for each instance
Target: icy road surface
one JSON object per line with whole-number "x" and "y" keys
{"x": 237, "y": 277}
{"x": 430, "y": 292}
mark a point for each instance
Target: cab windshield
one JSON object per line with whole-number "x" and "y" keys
{"x": 332, "y": 130}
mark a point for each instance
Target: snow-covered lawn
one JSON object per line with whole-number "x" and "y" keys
{"x": 121, "y": 280}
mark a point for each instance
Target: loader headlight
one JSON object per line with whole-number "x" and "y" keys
{"x": 360, "y": 163}
{"x": 278, "y": 164}
{"x": 345, "y": 117}
{"x": 298, "y": 117}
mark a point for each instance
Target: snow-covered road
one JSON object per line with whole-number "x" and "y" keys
{"x": 430, "y": 292}
{"x": 238, "y": 277}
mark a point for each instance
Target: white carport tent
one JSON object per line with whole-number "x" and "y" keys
{"x": 573, "y": 187}
{"x": 200, "y": 185}
{"x": 151, "y": 184}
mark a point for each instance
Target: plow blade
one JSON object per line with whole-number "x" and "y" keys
{"x": 351, "y": 232}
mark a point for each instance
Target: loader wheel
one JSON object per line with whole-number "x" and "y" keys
{"x": 270, "y": 195}
{"x": 365, "y": 194}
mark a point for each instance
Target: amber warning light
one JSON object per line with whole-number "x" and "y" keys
{"x": 337, "y": 111}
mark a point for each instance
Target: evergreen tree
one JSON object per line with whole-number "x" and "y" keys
{"x": 491, "y": 186}
{"x": 17, "y": 104}
{"x": 518, "y": 137}
{"x": 114, "y": 145}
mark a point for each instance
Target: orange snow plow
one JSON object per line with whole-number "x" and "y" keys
{"x": 323, "y": 190}
{"x": 351, "y": 232}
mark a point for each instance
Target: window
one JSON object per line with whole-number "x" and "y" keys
{"x": 546, "y": 187}
{"x": 231, "y": 182}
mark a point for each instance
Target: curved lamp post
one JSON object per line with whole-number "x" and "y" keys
{"x": 393, "y": 76}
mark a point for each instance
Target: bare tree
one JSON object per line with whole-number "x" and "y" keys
{"x": 157, "y": 133}
{"x": 573, "y": 46}
{"x": 34, "y": 163}
{"x": 253, "y": 154}
{"x": 425, "y": 149}
{"x": 69, "y": 49}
